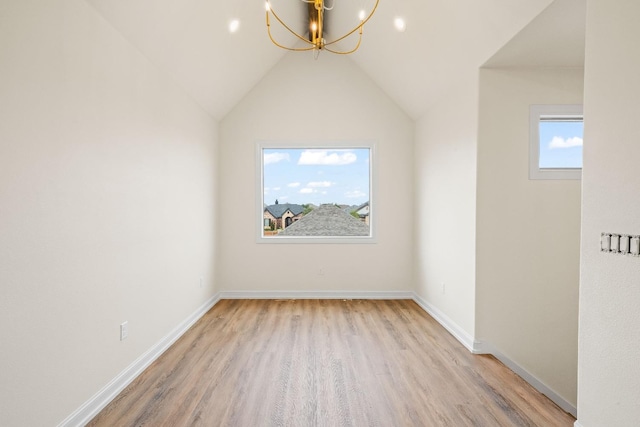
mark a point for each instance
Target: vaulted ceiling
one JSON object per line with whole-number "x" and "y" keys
{"x": 445, "y": 40}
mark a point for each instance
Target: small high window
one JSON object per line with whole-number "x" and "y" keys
{"x": 555, "y": 142}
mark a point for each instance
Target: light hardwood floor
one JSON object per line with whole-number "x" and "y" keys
{"x": 326, "y": 363}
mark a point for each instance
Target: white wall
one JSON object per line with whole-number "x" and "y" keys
{"x": 328, "y": 99}
{"x": 445, "y": 198}
{"x": 528, "y": 239}
{"x": 107, "y": 186}
{"x": 609, "y": 342}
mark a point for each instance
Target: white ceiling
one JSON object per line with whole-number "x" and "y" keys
{"x": 555, "y": 38}
{"x": 190, "y": 41}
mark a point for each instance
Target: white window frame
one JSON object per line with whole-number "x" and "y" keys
{"x": 536, "y": 112}
{"x": 261, "y": 145}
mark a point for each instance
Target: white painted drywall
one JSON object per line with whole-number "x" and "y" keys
{"x": 528, "y": 231}
{"x": 107, "y": 207}
{"x": 609, "y": 340}
{"x": 328, "y": 99}
{"x": 445, "y": 204}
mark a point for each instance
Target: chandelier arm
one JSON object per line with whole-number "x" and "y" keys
{"x": 285, "y": 26}
{"x": 359, "y": 27}
{"x": 295, "y": 49}
{"x": 346, "y": 52}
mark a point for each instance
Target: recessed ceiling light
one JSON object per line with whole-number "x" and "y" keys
{"x": 400, "y": 24}
{"x": 234, "y": 25}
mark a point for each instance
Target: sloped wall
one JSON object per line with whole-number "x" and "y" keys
{"x": 107, "y": 207}
{"x": 328, "y": 99}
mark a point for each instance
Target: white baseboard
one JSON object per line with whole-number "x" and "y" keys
{"x": 479, "y": 347}
{"x": 486, "y": 348}
{"x": 460, "y": 334}
{"x": 93, "y": 406}
{"x": 316, "y": 295}
{"x": 577, "y": 424}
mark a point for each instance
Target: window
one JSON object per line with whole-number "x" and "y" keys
{"x": 555, "y": 142}
{"x": 315, "y": 193}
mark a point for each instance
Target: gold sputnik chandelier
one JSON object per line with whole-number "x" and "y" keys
{"x": 315, "y": 40}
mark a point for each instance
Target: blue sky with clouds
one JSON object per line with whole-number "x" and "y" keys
{"x": 316, "y": 175}
{"x": 561, "y": 144}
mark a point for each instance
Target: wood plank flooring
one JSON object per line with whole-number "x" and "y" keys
{"x": 326, "y": 363}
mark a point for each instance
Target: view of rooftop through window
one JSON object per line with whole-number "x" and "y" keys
{"x": 309, "y": 192}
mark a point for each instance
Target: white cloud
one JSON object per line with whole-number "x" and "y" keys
{"x": 320, "y": 184}
{"x": 276, "y": 188}
{"x": 306, "y": 190}
{"x": 293, "y": 184}
{"x": 354, "y": 194}
{"x": 275, "y": 158}
{"x": 325, "y": 157}
{"x": 284, "y": 198}
{"x": 560, "y": 142}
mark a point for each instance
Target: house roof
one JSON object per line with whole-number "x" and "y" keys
{"x": 365, "y": 204}
{"x": 327, "y": 220}
{"x": 278, "y": 210}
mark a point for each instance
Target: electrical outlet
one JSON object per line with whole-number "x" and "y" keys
{"x": 124, "y": 330}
